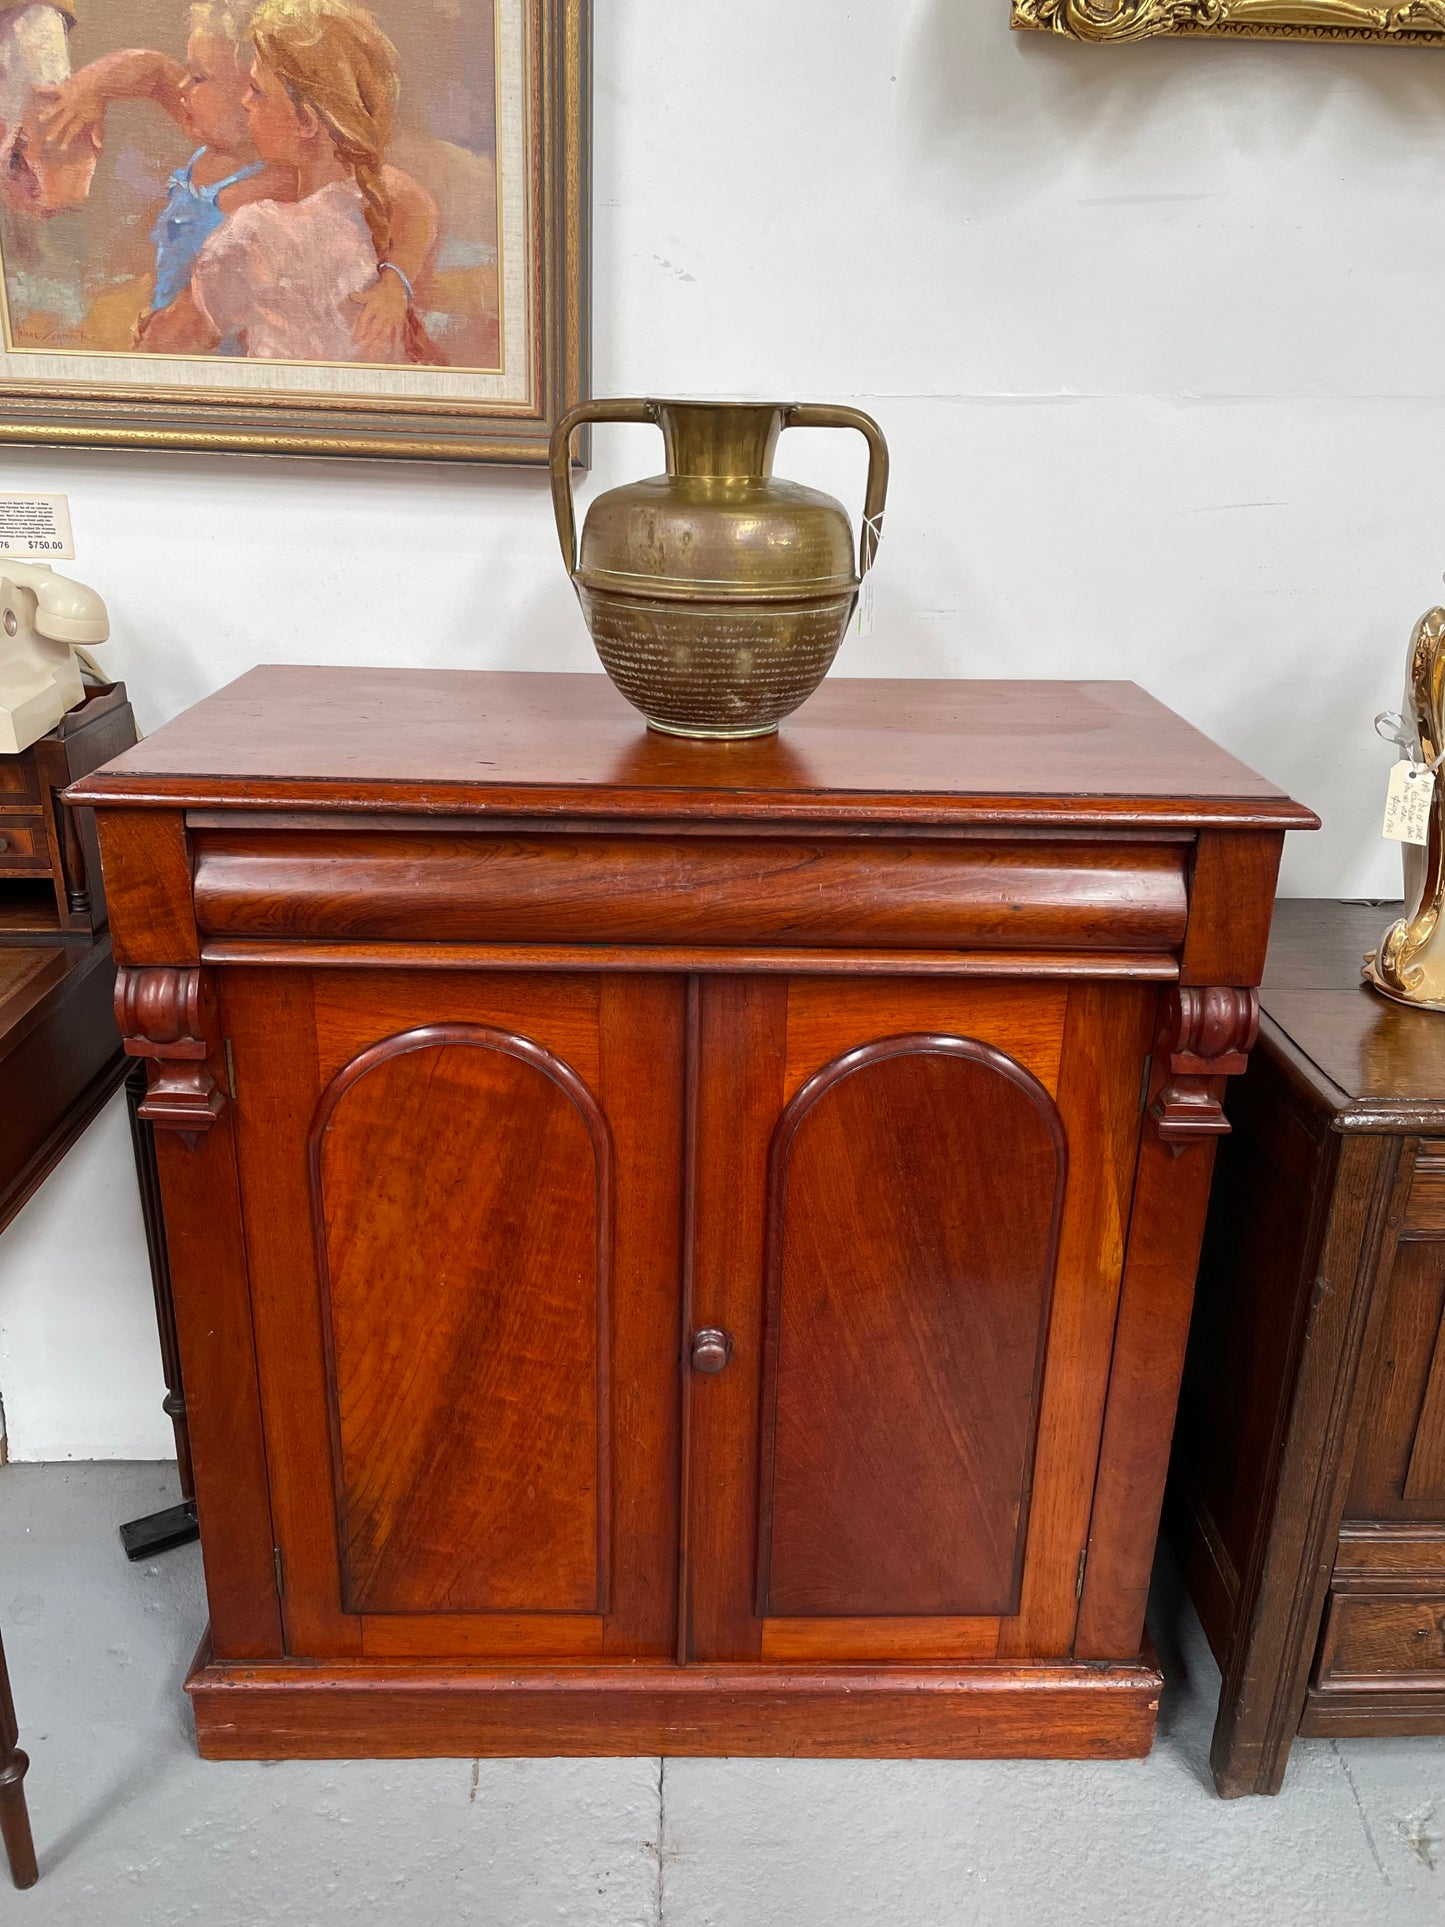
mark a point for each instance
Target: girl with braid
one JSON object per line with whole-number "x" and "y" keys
{"x": 286, "y": 277}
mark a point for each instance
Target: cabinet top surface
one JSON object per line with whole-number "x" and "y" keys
{"x": 438, "y": 740}
{"x": 1370, "y": 1050}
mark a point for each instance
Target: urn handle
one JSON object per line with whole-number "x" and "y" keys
{"x": 799, "y": 415}
{"x": 806, "y": 414}
{"x": 561, "y": 460}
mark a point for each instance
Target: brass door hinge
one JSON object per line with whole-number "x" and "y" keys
{"x": 231, "y": 1068}
{"x": 1079, "y": 1581}
{"x": 280, "y": 1565}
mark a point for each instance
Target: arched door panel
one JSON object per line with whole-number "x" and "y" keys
{"x": 464, "y": 1286}
{"x": 915, "y": 1194}
{"x": 461, "y": 1185}
{"x": 912, "y": 1200}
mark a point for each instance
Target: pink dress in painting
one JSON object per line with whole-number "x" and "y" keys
{"x": 283, "y": 275}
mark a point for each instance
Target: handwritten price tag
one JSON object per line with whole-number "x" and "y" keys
{"x": 1407, "y": 806}
{"x": 866, "y": 606}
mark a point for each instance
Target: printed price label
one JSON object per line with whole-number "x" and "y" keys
{"x": 36, "y": 528}
{"x": 1407, "y": 806}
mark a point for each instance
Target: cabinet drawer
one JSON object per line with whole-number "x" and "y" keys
{"x": 23, "y": 848}
{"x": 1425, "y": 1209}
{"x": 573, "y": 887}
{"x": 17, "y": 780}
{"x": 1383, "y": 1639}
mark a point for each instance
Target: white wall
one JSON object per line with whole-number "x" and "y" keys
{"x": 1153, "y": 333}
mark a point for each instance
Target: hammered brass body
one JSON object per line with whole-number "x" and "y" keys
{"x": 717, "y": 595}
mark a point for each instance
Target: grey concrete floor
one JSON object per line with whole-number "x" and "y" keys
{"x": 134, "y": 1831}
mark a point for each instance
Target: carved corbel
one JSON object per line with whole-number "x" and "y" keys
{"x": 161, "y": 1016}
{"x": 1209, "y": 1033}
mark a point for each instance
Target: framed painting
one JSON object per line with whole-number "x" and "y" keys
{"x": 1415, "y": 23}
{"x": 303, "y": 227}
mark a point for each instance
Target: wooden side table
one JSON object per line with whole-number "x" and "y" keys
{"x": 1307, "y": 1494}
{"x": 682, "y": 1247}
{"x": 60, "y": 1061}
{"x": 14, "y": 1816}
{"x": 60, "y": 1051}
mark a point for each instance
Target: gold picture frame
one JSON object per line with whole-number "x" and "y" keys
{"x": 1417, "y": 23}
{"x": 548, "y": 338}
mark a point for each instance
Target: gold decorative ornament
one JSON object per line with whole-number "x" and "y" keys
{"x": 1416, "y": 23}
{"x": 1410, "y": 962}
{"x": 717, "y": 595}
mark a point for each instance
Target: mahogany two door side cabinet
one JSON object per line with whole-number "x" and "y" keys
{"x": 681, "y": 1247}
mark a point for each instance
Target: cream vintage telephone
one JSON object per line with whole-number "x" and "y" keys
{"x": 44, "y": 619}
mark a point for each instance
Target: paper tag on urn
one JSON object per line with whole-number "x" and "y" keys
{"x": 864, "y": 625}
{"x": 1407, "y": 806}
{"x": 36, "y": 528}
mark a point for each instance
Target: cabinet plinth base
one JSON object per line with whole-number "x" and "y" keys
{"x": 1373, "y": 1708}
{"x": 354, "y": 1710}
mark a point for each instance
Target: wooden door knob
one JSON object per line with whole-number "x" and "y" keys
{"x": 711, "y": 1349}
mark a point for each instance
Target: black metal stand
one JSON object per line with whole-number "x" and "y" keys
{"x": 176, "y": 1525}
{"x": 160, "y": 1531}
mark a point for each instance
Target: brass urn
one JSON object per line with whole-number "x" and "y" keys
{"x": 716, "y": 594}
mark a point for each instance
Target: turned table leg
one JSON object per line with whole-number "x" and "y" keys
{"x": 14, "y": 1818}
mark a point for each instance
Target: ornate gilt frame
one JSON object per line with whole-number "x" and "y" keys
{"x": 1417, "y": 23}
{"x": 71, "y": 415}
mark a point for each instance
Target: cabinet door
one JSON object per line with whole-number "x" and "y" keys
{"x": 462, "y": 1208}
{"x": 912, "y": 1203}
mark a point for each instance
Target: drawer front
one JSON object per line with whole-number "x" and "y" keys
{"x": 18, "y": 781}
{"x": 23, "y": 848}
{"x": 1425, "y": 1209}
{"x": 1377, "y": 1639}
{"x": 566, "y": 887}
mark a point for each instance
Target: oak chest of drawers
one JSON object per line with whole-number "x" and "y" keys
{"x": 1308, "y": 1496}
{"x": 682, "y": 1247}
